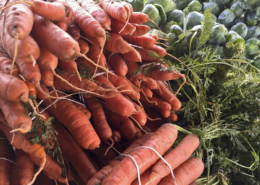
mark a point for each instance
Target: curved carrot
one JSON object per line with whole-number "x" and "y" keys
{"x": 117, "y": 63}
{"x": 144, "y": 41}
{"x": 121, "y": 27}
{"x": 83, "y": 45}
{"x": 138, "y": 18}
{"x": 140, "y": 30}
{"x": 73, "y": 31}
{"x": 4, "y": 164}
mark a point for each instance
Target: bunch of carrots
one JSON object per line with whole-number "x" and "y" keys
{"x": 83, "y": 98}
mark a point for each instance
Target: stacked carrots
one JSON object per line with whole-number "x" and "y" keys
{"x": 87, "y": 73}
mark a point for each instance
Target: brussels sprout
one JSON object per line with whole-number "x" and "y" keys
{"x": 176, "y": 16}
{"x": 181, "y": 4}
{"x": 258, "y": 12}
{"x": 176, "y": 29}
{"x": 257, "y": 63}
{"x": 193, "y": 19}
{"x": 227, "y": 17}
{"x": 221, "y": 2}
{"x": 251, "y": 19}
{"x": 213, "y": 18}
{"x": 161, "y": 13}
{"x": 195, "y": 30}
{"x": 253, "y": 32}
{"x": 167, "y": 5}
{"x": 171, "y": 38}
{"x": 237, "y": 9}
{"x": 249, "y": 2}
{"x": 137, "y": 5}
{"x": 236, "y": 40}
{"x": 218, "y": 35}
{"x": 193, "y": 6}
{"x": 213, "y": 6}
{"x": 241, "y": 29}
{"x": 151, "y": 11}
{"x": 244, "y": 6}
{"x": 252, "y": 48}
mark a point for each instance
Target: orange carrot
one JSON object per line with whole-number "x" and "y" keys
{"x": 66, "y": 21}
{"x": 70, "y": 149}
{"x": 84, "y": 48}
{"x": 94, "y": 53}
{"x": 25, "y": 166}
{"x": 6, "y": 63}
{"x": 95, "y": 41}
{"x": 159, "y": 50}
{"x": 99, "y": 119}
{"x": 168, "y": 96}
{"x": 158, "y": 103}
{"x": 138, "y": 18}
{"x": 143, "y": 41}
{"x": 70, "y": 67}
{"x": 43, "y": 180}
{"x": 97, "y": 12}
{"x": 140, "y": 117}
{"x": 114, "y": 9}
{"x": 155, "y": 37}
{"x": 147, "y": 91}
{"x": 186, "y": 173}
{"x": 121, "y": 27}
{"x": 13, "y": 88}
{"x": 42, "y": 96}
{"x": 73, "y": 31}
{"x": 116, "y": 44}
{"x": 164, "y": 113}
{"x": 81, "y": 107}
{"x": 116, "y": 136}
{"x": 4, "y": 164}
{"x": 173, "y": 117}
{"x": 125, "y": 172}
{"x": 117, "y": 63}
{"x": 140, "y": 30}
{"x": 59, "y": 43}
{"x": 118, "y": 103}
{"x": 150, "y": 83}
{"x": 101, "y": 151}
{"x": 132, "y": 56}
{"x": 14, "y": 178}
{"x": 146, "y": 55}
{"x": 81, "y": 129}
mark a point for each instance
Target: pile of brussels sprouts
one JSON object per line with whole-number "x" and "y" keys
{"x": 236, "y": 21}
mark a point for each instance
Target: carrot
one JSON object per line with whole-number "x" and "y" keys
{"x": 70, "y": 67}
{"x": 47, "y": 63}
{"x": 19, "y": 21}
{"x": 4, "y": 164}
{"x": 150, "y": 83}
{"x": 133, "y": 68}
{"x": 99, "y": 119}
{"x": 122, "y": 124}
{"x": 140, "y": 30}
{"x": 138, "y": 18}
{"x": 152, "y": 127}
{"x": 14, "y": 178}
{"x": 81, "y": 129}
{"x": 132, "y": 56}
{"x": 117, "y": 63}
{"x": 66, "y": 21}
{"x": 70, "y": 149}
{"x": 85, "y": 21}
{"x": 155, "y": 37}
{"x": 101, "y": 151}
{"x": 186, "y": 173}
{"x": 6, "y": 64}
{"x": 159, "y": 50}
{"x": 146, "y": 54}
{"x": 95, "y": 41}
{"x": 59, "y": 43}
{"x": 143, "y": 41}
{"x": 168, "y": 96}
{"x": 43, "y": 180}
{"x": 173, "y": 117}
{"x": 73, "y": 31}
{"x": 114, "y": 9}
{"x": 83, "y": 109}
{"x": 42, "y": 96}
{"x": 116, "y": 136}
{"x": 147, "y": 92}
{"x": 118, "y": 103}
{"x": 164, "y": 113}
{"x": 25, "y": 166}
{"x": 126, "y": 171}
{"x": 83, "y": 45}
{"x": 175, "y": 158}
{"x": 158, "y": 103}
{"x": 121, "y": 27}
{"x": 97, "y": 12}
{"x": 116, "y": 44}
{"x": 141, "y": 116}
{"x": 94, "y": 53}
{"x": 154, "y": 117}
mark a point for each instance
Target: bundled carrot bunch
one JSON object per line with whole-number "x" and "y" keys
{"x": 51, "y": 51}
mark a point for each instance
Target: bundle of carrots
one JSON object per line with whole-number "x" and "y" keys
{"x": 79, "y": 78}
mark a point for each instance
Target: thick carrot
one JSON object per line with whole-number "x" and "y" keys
{"x": 158, "y": 103}
{"x": 146, "y": 91}
{"x": 186, "y": 173}
{"x": 83, "y": 109}
{"x": 85, "y": 21}
{"x": 97, "y": 12}
{"x": 114, "y": 9}
{"x": 19, "y": 21}
{"x": 173, "y": 117}
{"x": 122, "y": 124}
{"x": 121, "y": 27}
{"x": 70, "y": 149}
{"x": 159, "y": 50}
{"x": 140, "y": 30}
{"x": 117, "y": 63}
{"x": 126, "y": 171}
{"x": 168, "y": 96}
{"x": 66, "y": 21}
{"x": 94, "y": 53}
{"x": 81, "y": 129}
{"x": 54, "y": 39}
{"x": 143, "y": 41}
{"x": 4, "y": 164}
{"x": 25, "y": 166}
{"x": 118, "y": 103}
{"x": 99, "y": 119}
{"x": 47, "y": 63}
{"x": 83, "y": 45}
{"x": 116, "y": 44}
{"x": 73, "y": 31}
{"x": 6, "y": 63}
{"x": 132, "y": 56}
{"x": 138, "y": 18}
{"x": 116, "y": 136}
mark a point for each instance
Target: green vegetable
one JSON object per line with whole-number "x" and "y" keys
{"x": 213, "y": 6}
{"x": 253, "y": 32}
{"x": 181, "y": 4}
{"x": 213, "y": 18}
{"x": 240, "y": 28}
{"x": 161, "y": 13}
{"x": 244, "y": 5}
{"x": 171, "y": 38}
{"x": 258, "y": 12}
{"x": 193, "y": 6}
{"x": 176, "y": 29}
{"x": 236, "y": 40}
{"x": 249, "y": 2}
{"x": 221, "y": 2}
{"x": 218, "y": 35}
{"x": 176, "y": 16}
{"x": 237, "y": 9}
{"x": 151, "y": 11}
{"x": 257, "y": 63}
{"x": 192, "y": 38}
{"x": 251, "y": 19}
{"x": 227, "y": 17}
{"x": 167, "y": 5}
{"x": 193, "y": 19}
{"x": 137, "y": 5}
{"x": 220, "y": 50}
{"x": 252, "y": 49}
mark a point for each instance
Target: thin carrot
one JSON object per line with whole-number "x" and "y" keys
{"x": 138, "y": 18}
{"x": 117, "y": 63}
{"x": 144, "y": 41}
{"x": 140, "y": 30}
{"x": 150, "y": 83}
{"x": 158, "y": 103}
{"x": 99, "y": 119}
{"x": 173, "y": 117}
{"x": 4, "y": 164}
{"x": 83, "y": 45}
{"x": 163, "y": 112}
{"x": 121, "y": 27}
{"x": 73, "y": 31}
{"x": 146, "y": 91}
